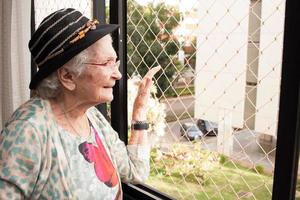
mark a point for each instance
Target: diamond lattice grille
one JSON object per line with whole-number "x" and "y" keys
{"x": 44, "y": 8}
{"x": 221, "y": 63}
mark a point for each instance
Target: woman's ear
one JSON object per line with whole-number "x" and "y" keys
{"x": 66, "y": 79}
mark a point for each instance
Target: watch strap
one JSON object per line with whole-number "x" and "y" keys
{"x": 139, "y": 125}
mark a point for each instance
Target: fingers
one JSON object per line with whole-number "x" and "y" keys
{"x": 145, "y": 86}
{"x": 152, "y": 72}
{"x": 146, "y": 83}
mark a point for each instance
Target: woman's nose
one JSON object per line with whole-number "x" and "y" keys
{"x": 117, "y": 74}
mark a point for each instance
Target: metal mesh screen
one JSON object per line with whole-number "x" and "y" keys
{"x": 44, "y": 8}
{"x": 217, "y": 95}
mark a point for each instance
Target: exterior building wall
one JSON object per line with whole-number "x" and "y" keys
{"x": 252, "y": 64}
{"x": 239, "y": 66}
{"x": 269, "y": 71}
{"x": 221, "y": 60}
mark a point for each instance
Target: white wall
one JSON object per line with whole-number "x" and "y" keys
{"x": 269, "y": 70}
{"x": 213, "y": 78}
{"x": 221, "y": 62}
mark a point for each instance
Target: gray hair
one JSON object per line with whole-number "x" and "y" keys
{"x": 51, "y": 87}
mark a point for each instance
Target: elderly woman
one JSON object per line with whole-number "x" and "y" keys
{"x": 58, "y": 145}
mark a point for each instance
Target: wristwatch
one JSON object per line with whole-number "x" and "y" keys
{"x": 139, "y": 125}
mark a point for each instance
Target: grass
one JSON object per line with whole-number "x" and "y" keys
{"x": 225, "y": 181}
{"x": 173, "y": 117}
{"x": 182, "y": 91}
{"x": 185, "y": 91}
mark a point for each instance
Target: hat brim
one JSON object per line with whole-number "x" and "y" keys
{"x": 55, "y": 63}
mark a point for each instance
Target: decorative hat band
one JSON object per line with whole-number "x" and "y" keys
{"x": 79, "y": 34}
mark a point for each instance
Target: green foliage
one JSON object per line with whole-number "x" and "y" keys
{"x": 190, "y": 163}
{"x": 184, "y": 91}
{"x": 150, "y": 41}
{"x": 223, "y": 159}
{"x": 218, "y": 176}
{"x": 185, "y": 115}
{"x": 259, "y": 169}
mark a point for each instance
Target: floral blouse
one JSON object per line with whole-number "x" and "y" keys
{"x": 41, "y": 160}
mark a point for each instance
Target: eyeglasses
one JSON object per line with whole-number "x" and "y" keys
{"x": 112, "y": 66}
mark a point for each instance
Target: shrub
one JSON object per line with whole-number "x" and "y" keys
{"x": 187, "y": 162}
{"x": 259, "y": 169}
{"x": 223, "y": 159}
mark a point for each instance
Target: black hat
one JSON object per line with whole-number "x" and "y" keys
{"x": 61, "y": 36}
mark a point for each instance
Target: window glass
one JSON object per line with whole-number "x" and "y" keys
{"x": 221, "y": 64}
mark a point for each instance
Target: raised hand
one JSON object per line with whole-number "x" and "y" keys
{"x": 140, "y": 102}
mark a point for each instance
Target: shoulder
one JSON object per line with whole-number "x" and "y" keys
{"x": 29, "y": 111}
{"x": 29, "y": 120}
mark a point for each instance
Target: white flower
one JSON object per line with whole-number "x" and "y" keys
{"x": 156, "y": 113}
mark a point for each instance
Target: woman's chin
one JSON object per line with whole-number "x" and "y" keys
{"x": 106, "y": 99}
{"x": 112, "y": 98}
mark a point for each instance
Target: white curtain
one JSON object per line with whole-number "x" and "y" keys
{"x": 14, "y": 55}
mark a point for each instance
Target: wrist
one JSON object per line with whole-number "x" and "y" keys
{"x": 139, "y": 116}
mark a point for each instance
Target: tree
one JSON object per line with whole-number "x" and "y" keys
{"x": 151, "y": 41}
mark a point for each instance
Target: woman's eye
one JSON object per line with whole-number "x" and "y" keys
{"x": 108, "y": 63}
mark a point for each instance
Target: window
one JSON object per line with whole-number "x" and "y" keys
{"x": 222, "y": 64}
{"x": 222, "y": 71}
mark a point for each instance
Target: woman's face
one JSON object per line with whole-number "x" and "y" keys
{"x": 95, "y": 84}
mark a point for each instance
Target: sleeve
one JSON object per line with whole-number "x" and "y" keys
{"x": 140, "y": 154}
{"x": 132, "y": 161}
{"x": 20, "y": 160}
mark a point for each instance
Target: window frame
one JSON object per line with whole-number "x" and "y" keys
{"x": 287, "y": 147}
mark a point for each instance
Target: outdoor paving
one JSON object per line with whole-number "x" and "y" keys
{"x": 248, "y": 149}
